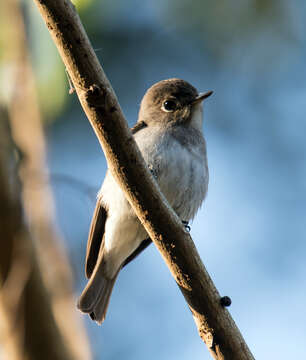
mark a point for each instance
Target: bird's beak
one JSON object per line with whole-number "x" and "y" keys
{"x": 201, "y": 97}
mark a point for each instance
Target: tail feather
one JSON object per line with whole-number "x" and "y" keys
{"x": 95, "y": 297}
{"x": 99, "y": 312}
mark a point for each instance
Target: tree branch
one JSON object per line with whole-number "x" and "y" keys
{"x": 215, "y": 325}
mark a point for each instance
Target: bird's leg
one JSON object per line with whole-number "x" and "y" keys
{"x": 153, "y": 171}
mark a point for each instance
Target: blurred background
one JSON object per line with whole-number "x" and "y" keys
{"x": 251, "y": 230}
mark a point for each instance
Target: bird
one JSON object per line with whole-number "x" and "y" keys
{"x": 169, "y": 134}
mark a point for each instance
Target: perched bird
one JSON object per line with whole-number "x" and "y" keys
{"x": 170, "y": 137}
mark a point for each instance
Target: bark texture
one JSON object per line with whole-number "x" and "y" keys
{"x": 214, "y": 323}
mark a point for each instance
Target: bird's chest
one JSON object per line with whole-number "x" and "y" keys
{"x": 180, "y": 170}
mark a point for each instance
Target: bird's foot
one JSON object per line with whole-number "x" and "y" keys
{"x": 153, "y": 171}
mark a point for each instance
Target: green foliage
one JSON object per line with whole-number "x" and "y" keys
{"x": 82, "y": 4}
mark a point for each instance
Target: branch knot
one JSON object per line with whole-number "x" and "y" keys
{"x": 95, "y": 96}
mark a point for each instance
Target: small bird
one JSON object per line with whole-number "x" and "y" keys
{"x": 170, "y": 137}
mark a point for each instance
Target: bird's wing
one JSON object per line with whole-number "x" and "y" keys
{"x": 97, "y": 228}
{"x": 95, "y": 238}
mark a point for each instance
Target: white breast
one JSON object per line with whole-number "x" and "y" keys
{"x": 181, "y": 171}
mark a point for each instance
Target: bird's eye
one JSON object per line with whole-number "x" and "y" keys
{"x": 169, "y": 105}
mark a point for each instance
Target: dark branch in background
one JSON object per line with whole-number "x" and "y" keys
{"x": 37, "y": 200}
{"x": 99, "y": 102}
{"x": 28, "y": 328}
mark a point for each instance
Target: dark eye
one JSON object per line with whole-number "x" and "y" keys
{"x": 169, "y": 105}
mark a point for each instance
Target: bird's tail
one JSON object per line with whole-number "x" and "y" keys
{"x": 95, "y": 297}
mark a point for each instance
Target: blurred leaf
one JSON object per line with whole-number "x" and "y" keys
{"x": 49, "y": 70}
{"x": 82, "y": 4}
{"x": 222, "y": 24}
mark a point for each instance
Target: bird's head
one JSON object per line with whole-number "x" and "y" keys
{"x": 172, "y": 101}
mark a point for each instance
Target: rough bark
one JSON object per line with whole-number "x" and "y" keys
{"x": 214, "y": 323}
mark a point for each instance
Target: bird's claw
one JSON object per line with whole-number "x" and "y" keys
{"x": 153, "y": 172}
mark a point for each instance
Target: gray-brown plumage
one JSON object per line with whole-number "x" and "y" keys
{"x": 169, "y": 136}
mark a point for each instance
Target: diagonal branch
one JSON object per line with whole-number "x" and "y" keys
{"x": 214, "y": 323}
